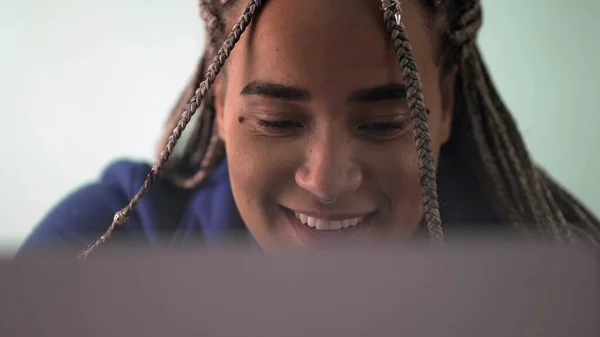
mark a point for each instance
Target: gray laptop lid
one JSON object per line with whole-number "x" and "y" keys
{"x": 497, "y": 290}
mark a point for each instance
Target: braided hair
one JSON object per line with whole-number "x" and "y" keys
{"x": 523, "y": 195}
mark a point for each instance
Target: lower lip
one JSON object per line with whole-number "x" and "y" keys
{"x": 314, "y": 237}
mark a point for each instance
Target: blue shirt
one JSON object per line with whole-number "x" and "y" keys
{"x": 168, "y": 215}
{"x": 165, "y": 215}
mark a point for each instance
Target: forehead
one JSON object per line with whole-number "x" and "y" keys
{"x": 320, "y": 44}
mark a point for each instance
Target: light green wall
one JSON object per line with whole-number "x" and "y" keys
{"x": 543, "y": 57}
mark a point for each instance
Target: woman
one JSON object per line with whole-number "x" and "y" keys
{"x": 325, "y": 124}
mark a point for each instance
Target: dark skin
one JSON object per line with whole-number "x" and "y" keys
{"x": 314, "y": 106}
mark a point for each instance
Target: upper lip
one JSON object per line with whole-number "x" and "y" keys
{"x": 331, "y": 216}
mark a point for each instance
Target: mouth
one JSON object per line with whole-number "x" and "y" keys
{"x": 322, "y": 224}
{"x": 316, "y": 229}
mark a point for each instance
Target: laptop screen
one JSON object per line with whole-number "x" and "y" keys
{"x": 493, "y": 290}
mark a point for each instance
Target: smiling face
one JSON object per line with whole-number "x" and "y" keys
{"x": 313, "y": 105}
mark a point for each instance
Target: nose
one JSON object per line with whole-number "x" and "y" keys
{"x": 330, "y": 169}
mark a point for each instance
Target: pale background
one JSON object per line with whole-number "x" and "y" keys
{"x": 83, "y": 82}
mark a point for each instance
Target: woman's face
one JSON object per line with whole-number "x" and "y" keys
{"x": 313, "y": 105}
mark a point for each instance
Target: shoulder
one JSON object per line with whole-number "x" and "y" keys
{"x": 87, "y": 212}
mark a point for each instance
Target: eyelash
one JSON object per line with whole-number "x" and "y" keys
{"x": 277, "y": 124}
{"x": 393, "y": 126}
{"x": 286, "y": 126}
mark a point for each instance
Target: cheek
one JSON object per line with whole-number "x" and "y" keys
{"x": 395, "y": 171}
{"x": 257, "y": 170}
{"x": 248, "y": 163}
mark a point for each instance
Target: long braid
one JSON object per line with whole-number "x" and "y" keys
{"x": 483, "y": 159}
{"x": 504, "y": 147}
{"x": 521, "y": 165}
{"x": 120, "y": 217}
{"x": 397, "y": 31}
{"x": 202, "y": 141}
{"x": 551, "y": 208}
{"x": 462, "y": 37}
{"x": 569, "y": 205}
{"x": 533, "y": 201}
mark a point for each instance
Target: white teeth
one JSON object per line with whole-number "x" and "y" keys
{"x": 335, "y": 225}
{"x": 323, "y": 225}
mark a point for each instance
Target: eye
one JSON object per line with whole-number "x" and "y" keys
{"x": 278, "y": 124}
{"x": 383, "y": 130}
{"x": 279, "y": 127}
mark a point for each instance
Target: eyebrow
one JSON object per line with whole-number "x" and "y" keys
{"x": 277, "y": 91}
{"x": 385, "y": 92}
{"x": 381, "y": 93}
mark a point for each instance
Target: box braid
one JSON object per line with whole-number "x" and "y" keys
{"x": 483, "y": 128}
{"x": 416, "y": 103}
{"x": 486, "y": 130}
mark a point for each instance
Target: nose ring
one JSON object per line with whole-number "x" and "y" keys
{"x": 327, "y": 201}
